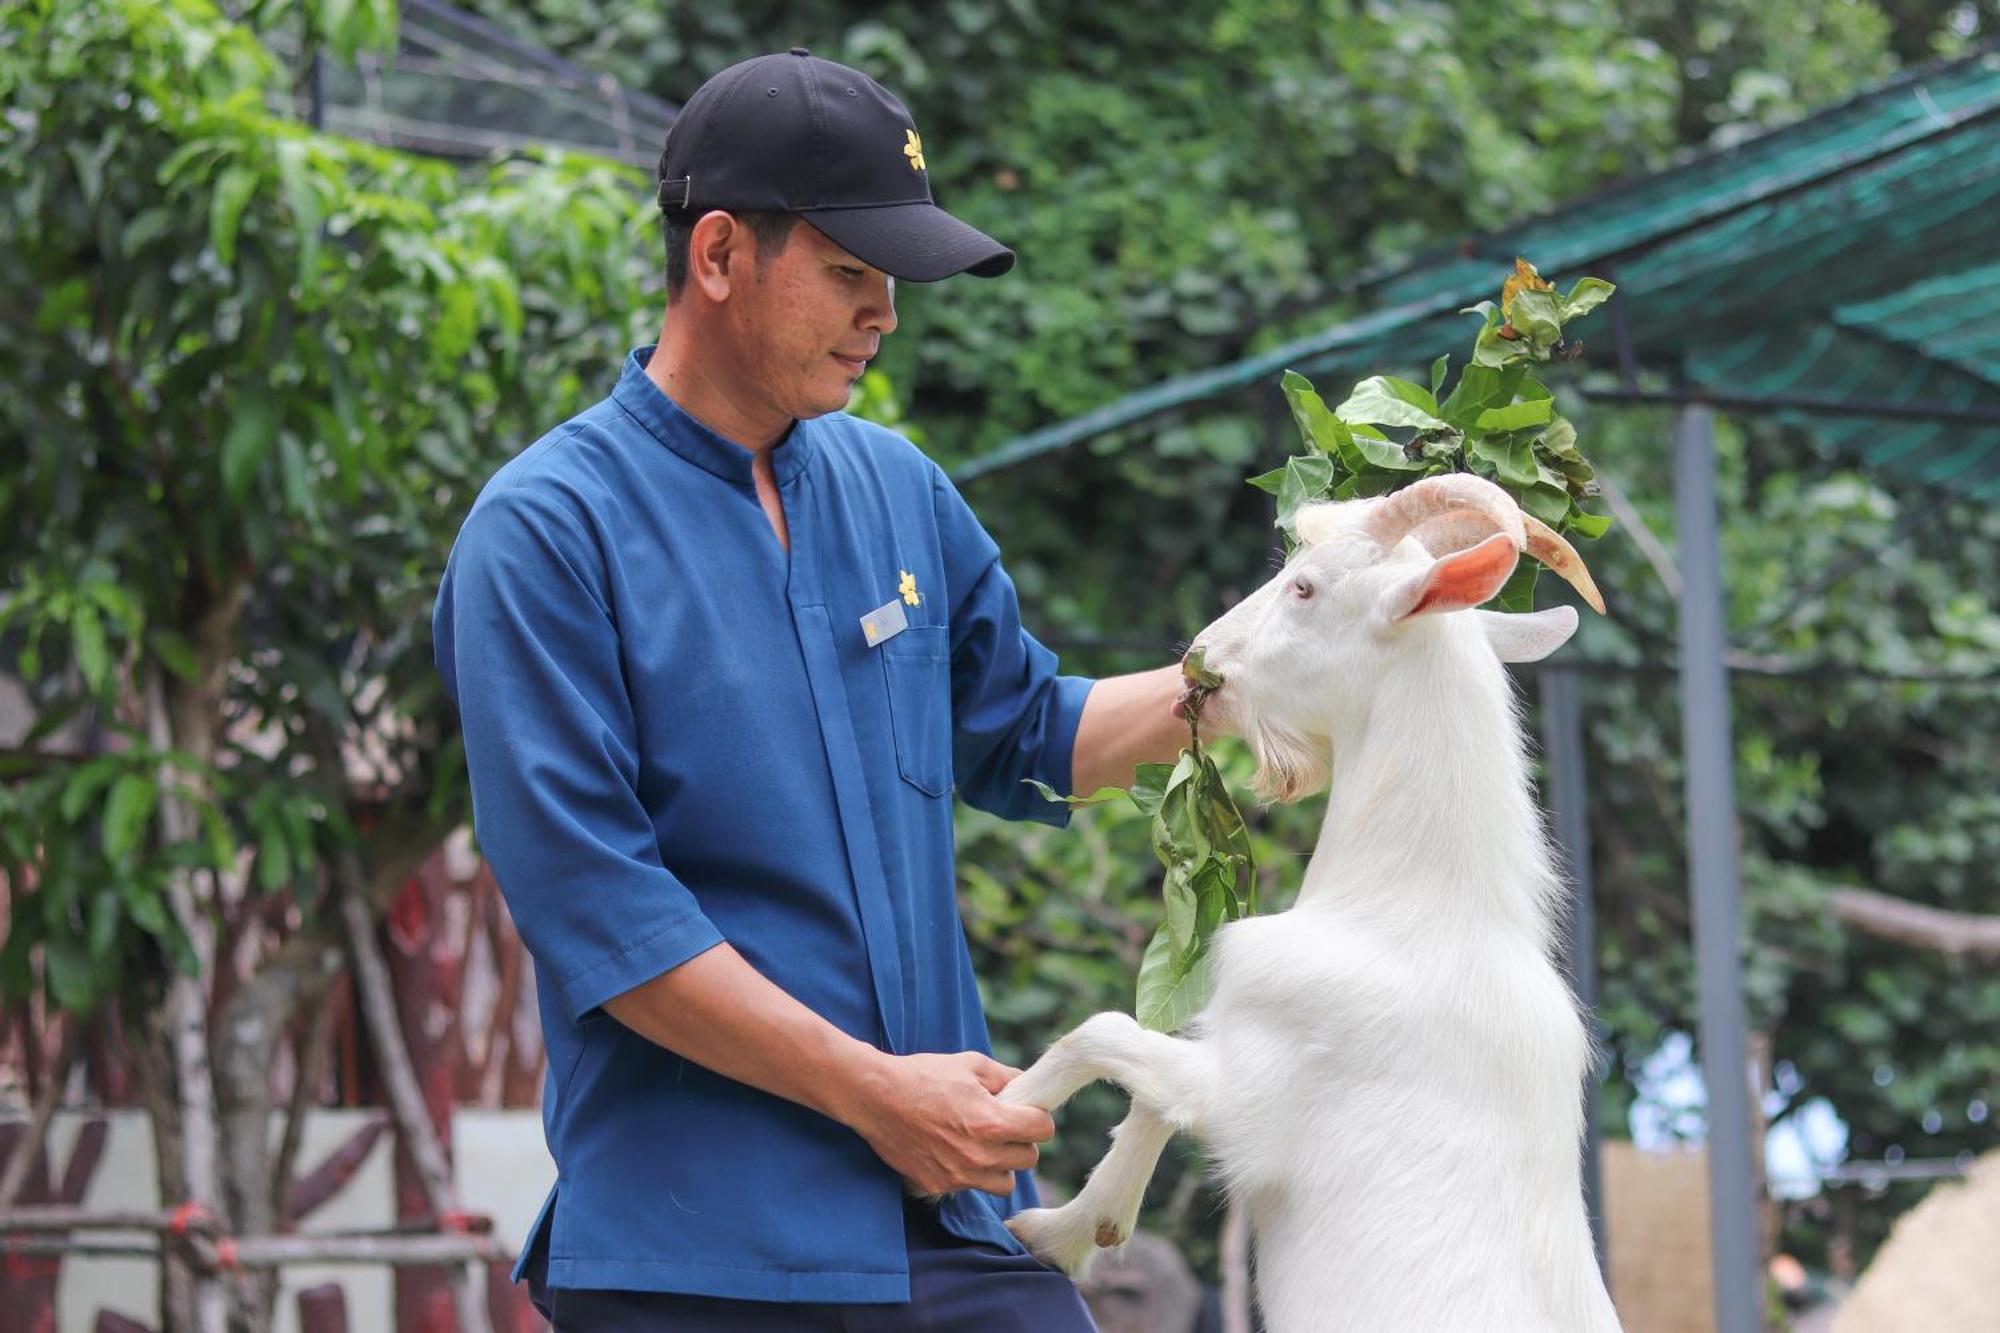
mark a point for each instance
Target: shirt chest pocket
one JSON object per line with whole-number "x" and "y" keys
{"x": 916, "y": 666}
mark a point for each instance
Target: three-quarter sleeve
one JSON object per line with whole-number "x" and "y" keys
{"x": 528, "y": 648}
{"x": 1013, "y": 716}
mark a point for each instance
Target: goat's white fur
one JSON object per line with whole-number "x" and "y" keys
{"x": 1389, "y": 1074}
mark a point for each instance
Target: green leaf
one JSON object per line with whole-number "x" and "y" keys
{"x": 252, "y": 431}
{"x": 1517, "y": 416}
{"x": 1320, "y": 429}
{"x": 85, "y": 784}
{"x": 1307, "y": 478}
{"x": 1101, "y": 796}
{"x": 1439, "y": 369}
{"x": 1149, "y": 786}
{"x": 72, "y": 980}
{"x": 1560, "y": 438}
{"x": 1386, "y": 455}
{"x": 1478, "y": 388}
{"x": 274, "y": 855}
{"x": 292, "y": 475}
{"x": 1172, "y": 988}
{"x": 147, "y": 910}
{"x": 303, "y": 200}
{"x": 1550, "y": 504}
{"x": 1384, "y": 400}
{"x": 1269, "y": 482}
{"x": 105, "y": 914}
{"x": 174, "y": 653}
{"x": 221, "y": 846}
{"x": 1513, "y": 460}
{"x": 1586, "y": 296}
{"x": 93, "y": 655}
{"x": 225, "y": 210}
{"x": 65, "y": 303}
{"x": 126, "y": 813}
{"x": 1518, "y": 595}
{"x": 1589, "y": 525}
{"x": 1537, "y": 316}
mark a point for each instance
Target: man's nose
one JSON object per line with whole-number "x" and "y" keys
{"x": 879, "y": 315}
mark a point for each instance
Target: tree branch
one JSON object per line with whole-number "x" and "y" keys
{"x": 1958, "y": 934}
{"x": 374, "y": 993}
{"x": 20, "y": 1164}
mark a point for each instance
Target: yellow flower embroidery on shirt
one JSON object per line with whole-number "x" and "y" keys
{"x": 913, "y": 148}
{"x": 908, "y": 587}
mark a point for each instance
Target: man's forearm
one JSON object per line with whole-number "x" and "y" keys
{"x": 932, "y": 1117}
{"x": 725, "y": 1015}
{"x": 1127, "y": 721}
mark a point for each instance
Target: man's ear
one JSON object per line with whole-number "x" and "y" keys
{"x": 1454, "y": 582}
{"x": 712, "y": 253}
{"x": 1529, "y": 637}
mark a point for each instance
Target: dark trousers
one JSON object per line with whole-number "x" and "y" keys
{"x": 956, "y": 1286}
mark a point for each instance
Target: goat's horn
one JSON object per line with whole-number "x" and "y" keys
{"x": 1548, "y": 546}
{"x": 1454, "y": 503}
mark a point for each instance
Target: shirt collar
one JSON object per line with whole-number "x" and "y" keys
{"x": 672, "y": 425}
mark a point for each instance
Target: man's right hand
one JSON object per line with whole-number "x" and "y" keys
{"x": 935, "y": 1120}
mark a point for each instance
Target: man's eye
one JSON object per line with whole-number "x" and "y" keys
{"x": 848, "y": 272}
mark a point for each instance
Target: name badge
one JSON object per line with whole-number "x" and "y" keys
{"x": 884, "y": 622}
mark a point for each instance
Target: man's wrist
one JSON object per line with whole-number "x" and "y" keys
{"x": 858, "y": 1074}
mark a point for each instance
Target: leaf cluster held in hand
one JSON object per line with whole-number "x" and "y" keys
{"x": 1200, "y": 837}
{"x": 1497, "y": 422}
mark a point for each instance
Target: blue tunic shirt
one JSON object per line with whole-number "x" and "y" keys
{"x": 679, "y": 734}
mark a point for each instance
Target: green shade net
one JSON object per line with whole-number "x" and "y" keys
{"x": 1853, "y": 257}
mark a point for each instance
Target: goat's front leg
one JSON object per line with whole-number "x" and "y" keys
{"x": 1168, "y": 1080}
{"x": 1167, "y": 1074}
{"x": 1105, "y": 1212}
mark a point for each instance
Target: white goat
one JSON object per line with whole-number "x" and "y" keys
{"x": 1389, "y": 1074}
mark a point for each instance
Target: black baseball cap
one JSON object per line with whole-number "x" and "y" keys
{"x": 797, "y": 134}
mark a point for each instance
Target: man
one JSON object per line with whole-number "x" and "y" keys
{"x": 722, "y": 654}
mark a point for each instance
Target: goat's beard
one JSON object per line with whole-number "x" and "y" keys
{"x": 1290, "y": 765}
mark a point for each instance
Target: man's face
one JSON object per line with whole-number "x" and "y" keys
{"x": 809, "y": 321}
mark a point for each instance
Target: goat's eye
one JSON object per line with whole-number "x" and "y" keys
{"x": 1302, "y": 588}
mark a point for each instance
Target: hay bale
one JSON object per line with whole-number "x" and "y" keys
{"x": 1656, "y": 1220}
{"x": 1939, "y": 1271}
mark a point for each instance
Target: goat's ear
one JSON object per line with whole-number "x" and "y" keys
{"x": 1454, "y": 582}
{"x": 1528, "y": 637}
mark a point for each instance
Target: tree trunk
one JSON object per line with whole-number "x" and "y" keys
{"x": 163, "y": 1107}
{"x": 186, "y": 1009}
{"x": 252, "y": 1025}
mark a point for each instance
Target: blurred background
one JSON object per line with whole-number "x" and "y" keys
{"x": 281, "y": 284}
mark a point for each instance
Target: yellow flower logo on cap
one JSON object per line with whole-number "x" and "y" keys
{"x": 908, "y": 587}
{"x": 913, "y": 148}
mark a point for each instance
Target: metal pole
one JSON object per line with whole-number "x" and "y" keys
{"x": 1712, "y": 870}
{"x": 1562, "y": 753}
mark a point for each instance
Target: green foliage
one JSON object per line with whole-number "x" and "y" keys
{"x": 266, "y": 369}
{"x": 1496, "y": 423}
{"x": 1199, "y": 836}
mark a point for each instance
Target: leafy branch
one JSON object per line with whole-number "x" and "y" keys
{"x": 1498, "y": 422}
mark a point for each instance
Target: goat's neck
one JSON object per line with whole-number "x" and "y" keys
{"x": 1430, "y": 818}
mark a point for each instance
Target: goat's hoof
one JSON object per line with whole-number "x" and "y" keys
{"x": 1061, "y": 1237}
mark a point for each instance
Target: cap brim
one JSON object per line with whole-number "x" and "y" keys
{"x": 913, "y": 242}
